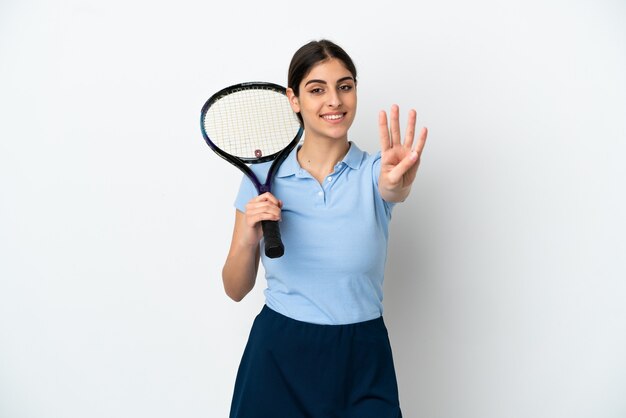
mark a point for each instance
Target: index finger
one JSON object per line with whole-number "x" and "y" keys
{"x": 267, "y": 196}
{"x": 421, "y": 141}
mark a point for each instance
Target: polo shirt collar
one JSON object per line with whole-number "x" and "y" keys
{"x": 290, "y": 166}
{"x": 354, "y": 157}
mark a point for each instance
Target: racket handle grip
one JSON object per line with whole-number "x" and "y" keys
{"x": 273, "y": 245}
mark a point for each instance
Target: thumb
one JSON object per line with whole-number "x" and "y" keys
{"x": 402, "y": 167}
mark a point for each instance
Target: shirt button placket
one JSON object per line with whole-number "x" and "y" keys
{"x": 326, "y": 186}
{"x": 321, "y": 199}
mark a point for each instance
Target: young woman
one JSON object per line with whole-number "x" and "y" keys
{"x": 319, "y": 348}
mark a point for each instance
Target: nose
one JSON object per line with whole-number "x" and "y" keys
{"x": 334, "y": 100}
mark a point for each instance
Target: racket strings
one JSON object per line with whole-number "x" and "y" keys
{"x": 251, "y": 123}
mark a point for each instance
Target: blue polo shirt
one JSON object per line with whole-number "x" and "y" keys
{"x": 335, "y": 236}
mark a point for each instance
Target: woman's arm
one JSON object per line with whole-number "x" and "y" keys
{"x": 242, "y": 264}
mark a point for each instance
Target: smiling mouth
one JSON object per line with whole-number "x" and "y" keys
{"x": 333, "y": 117}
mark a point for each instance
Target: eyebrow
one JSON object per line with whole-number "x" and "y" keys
{"x": 324, "y": 82}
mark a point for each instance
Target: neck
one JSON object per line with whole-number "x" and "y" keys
{"x": 319, "y": 158}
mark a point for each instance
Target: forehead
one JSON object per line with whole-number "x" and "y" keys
{"x": 328, "y": 70}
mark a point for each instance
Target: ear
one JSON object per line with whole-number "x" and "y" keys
{"x": 293, "y": 100}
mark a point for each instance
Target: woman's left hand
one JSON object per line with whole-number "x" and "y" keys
{"x": 399, "y": 160}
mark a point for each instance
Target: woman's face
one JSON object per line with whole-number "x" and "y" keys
{"x": 327, "y": 101}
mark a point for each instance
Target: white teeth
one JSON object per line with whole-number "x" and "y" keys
{"x": 332, "y": 117}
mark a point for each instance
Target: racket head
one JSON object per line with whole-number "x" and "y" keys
{"x": 250, "y": 123}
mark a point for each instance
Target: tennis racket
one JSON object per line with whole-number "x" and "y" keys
{"x": 251, "y": 123}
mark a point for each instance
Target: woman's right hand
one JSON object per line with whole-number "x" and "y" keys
{"x": 265, "y": 207}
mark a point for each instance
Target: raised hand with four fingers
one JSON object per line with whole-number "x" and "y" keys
{"x": 399, "y": 160}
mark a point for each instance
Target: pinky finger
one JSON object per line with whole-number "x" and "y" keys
{"x": 383, "y": 131}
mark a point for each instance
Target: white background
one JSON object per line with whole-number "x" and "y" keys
{"x": 505, "y": 285}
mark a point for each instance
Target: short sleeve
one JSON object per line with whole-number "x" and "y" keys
{"x": 246, "y": 192}
{"x": 376, "y": 175}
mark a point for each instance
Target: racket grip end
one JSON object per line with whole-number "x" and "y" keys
{"x": 274, "y": 247}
